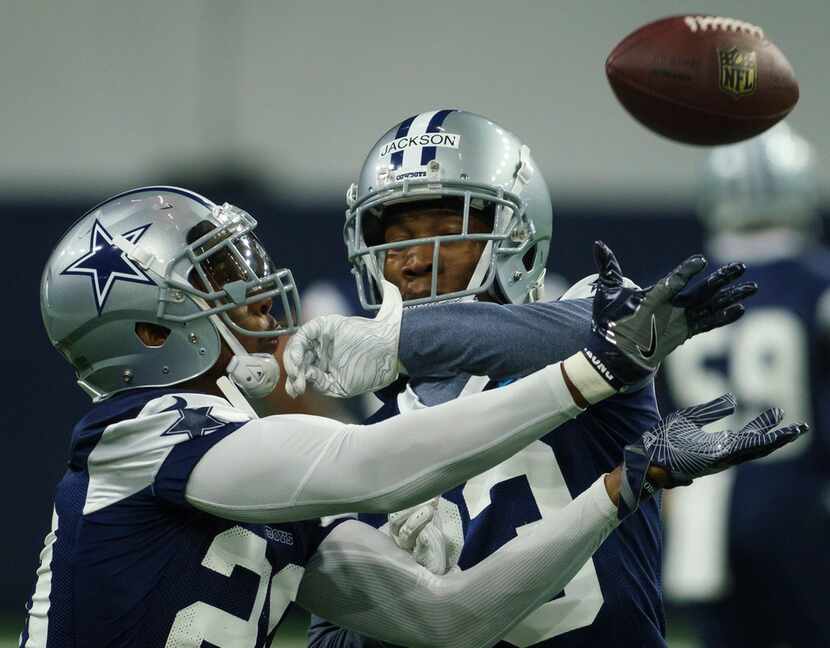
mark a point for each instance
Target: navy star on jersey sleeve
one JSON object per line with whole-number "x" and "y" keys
{"x": 198, "y": 426}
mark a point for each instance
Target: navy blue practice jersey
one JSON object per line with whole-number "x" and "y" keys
{"x": 129, "y": 563}
{"x": 764, "y": 524}
{"x": 616, "y": 597}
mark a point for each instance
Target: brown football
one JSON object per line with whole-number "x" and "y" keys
{"x": 702, "y": 79}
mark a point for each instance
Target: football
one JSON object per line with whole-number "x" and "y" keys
{"x": 702, "y": 80}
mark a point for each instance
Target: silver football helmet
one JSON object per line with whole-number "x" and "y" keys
{"x": 767, "y": 181}
{"x": 454, "y": 153}
{"x": 168, "y": 257}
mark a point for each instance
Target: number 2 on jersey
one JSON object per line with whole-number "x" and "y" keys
{"x": 202, "y": 622}
{"x": 582, "y": 598}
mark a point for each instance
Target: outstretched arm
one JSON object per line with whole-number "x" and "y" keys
{"x": 504, "y": 340}
{"x": 291, "y": 468}
{"x": 297, "y": 467}
{"x": 644, "y": 324}
{"x": 361, "y": 580}
{"x": 380, "y": 592}
{"x": 495, "y": 340}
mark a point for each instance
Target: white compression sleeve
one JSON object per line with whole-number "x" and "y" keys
{"x": 295, "y": 467}
{"x": 359, "y": 579}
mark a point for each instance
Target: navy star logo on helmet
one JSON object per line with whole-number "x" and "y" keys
{"x": 105, "y": 264}
{"x": 189, "y": 237}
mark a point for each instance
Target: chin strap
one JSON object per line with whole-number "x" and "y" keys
{"x": 256, "y": 374}
{"x": 90, "y": 391}
{"x": 235, "y": 397}
{"x": 537, "y": 291}
{"x": 480, "y": 270}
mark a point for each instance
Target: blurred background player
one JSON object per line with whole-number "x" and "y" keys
{"x": 752, "y": 578}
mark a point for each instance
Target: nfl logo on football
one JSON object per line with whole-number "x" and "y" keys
{"x": 738, "y": 71}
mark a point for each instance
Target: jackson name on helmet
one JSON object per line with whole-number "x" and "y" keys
{"x": 454, "y": 153}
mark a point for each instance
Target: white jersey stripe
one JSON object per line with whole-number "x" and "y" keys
{"x": 39, "y": 612}
{"x": 130, "y": 453}
{"x": 412, "y": 155}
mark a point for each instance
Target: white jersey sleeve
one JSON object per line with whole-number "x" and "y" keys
{"x": 362, "y": 581}
{"x": 156, "y": 448}
{"x": 294, "y": 467}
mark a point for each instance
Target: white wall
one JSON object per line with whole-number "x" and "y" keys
{"x": 102, "y": 95}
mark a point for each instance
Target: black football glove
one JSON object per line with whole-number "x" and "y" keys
{"x": 679, "y": 446}
{"x": 641, "y": 326}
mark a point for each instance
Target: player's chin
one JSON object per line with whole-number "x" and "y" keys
{"x": 408, "y": 296}
{"x": 267, "y": 345}
{"x": 421, "y": 288}
{"x": 416, "y": 290}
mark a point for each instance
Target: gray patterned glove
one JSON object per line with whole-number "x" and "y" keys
{"x": 419, "y": 531}
{"x": 346, "y": 356}
{"x": 679, "y": 446}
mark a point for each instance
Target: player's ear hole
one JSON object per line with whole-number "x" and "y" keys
{"x": 529, "y": 257}
{"x": 151, "y": 335}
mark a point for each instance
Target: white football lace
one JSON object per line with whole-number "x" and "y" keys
{"x": 715, "y": 23}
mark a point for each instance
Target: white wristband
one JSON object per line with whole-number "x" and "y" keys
{"x": 586, "y": 379}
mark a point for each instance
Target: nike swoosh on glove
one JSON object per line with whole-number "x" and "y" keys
{"x": 647, "y": 324}
{"x": 637, "y": 327}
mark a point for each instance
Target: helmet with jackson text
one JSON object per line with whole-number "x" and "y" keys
{"x": 166, "y": 257}
{"x": 768, "y": 181}
{"x": 454, "y": 154}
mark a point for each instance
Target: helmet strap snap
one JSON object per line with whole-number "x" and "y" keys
{"x": 256, "y": 374}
